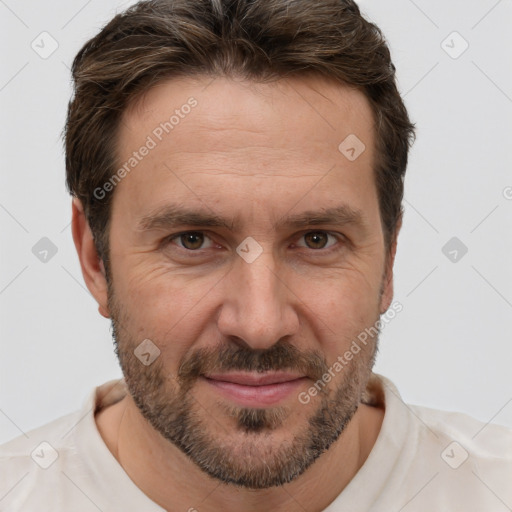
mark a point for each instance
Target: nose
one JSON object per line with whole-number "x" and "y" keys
{"x": 258, "y": 304}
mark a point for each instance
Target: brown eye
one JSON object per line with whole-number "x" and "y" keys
{"x": 192, "y": 240}
{"x": 316, "y": 239}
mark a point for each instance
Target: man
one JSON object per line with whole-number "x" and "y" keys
{"x": 237, "y": 171}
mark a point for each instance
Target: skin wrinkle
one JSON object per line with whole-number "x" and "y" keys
{"x": 172, "y": 216}
{"x": 178, "y": 435}
{"x": 271, "y": 173}
{"x": 246, "y": 120}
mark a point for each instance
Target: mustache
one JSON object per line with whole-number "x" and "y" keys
{"x": 281, "y": 356}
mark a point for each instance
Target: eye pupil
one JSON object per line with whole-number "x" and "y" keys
{"x": 316, "y": 240}
{"x": 192, "y": 240}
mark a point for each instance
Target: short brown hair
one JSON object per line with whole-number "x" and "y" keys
{"x": 259, "y": 40}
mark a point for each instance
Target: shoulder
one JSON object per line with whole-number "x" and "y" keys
{"x": 36, "y": 460}
{"x": 484, "y": 440}
{"x": 25, "y": 446}
{"x": 39, "y": 468}
{"x": 470, "y": 461}
{"x": 458, "y": 421}
{"x": 443, "y": 459}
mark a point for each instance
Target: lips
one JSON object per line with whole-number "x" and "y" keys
{"x": 255, "y": 389}
{"x": 254, "y": 379}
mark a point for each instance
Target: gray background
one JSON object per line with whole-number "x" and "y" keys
{"x": 450, "y": 347}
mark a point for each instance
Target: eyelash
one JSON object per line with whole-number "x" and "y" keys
{"x": 336, "y": 247}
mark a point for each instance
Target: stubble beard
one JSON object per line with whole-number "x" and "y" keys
{"x": 246, "y": 456}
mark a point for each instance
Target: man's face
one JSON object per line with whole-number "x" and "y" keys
{"x": 248, "y": 248}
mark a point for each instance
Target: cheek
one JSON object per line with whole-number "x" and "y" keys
{"x": 177, "y": 310}
{"x": 170, "y": 309}
{"x": 340, "y": 309}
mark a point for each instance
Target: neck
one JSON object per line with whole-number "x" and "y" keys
{"x": 173, "y": 481}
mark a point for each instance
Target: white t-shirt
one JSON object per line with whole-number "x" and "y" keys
{"x": 423, "y": 461}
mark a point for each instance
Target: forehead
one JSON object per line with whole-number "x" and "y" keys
{"x": 232, "y": 141}
{"x": 310, "y": 104}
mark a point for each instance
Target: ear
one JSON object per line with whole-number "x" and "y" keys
{"x": 387, "y": 285}
{"x": 92, "y": 267}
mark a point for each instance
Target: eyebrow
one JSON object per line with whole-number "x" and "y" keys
{"x": 341, "y": 215}
{"x": 171, "y": 216}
